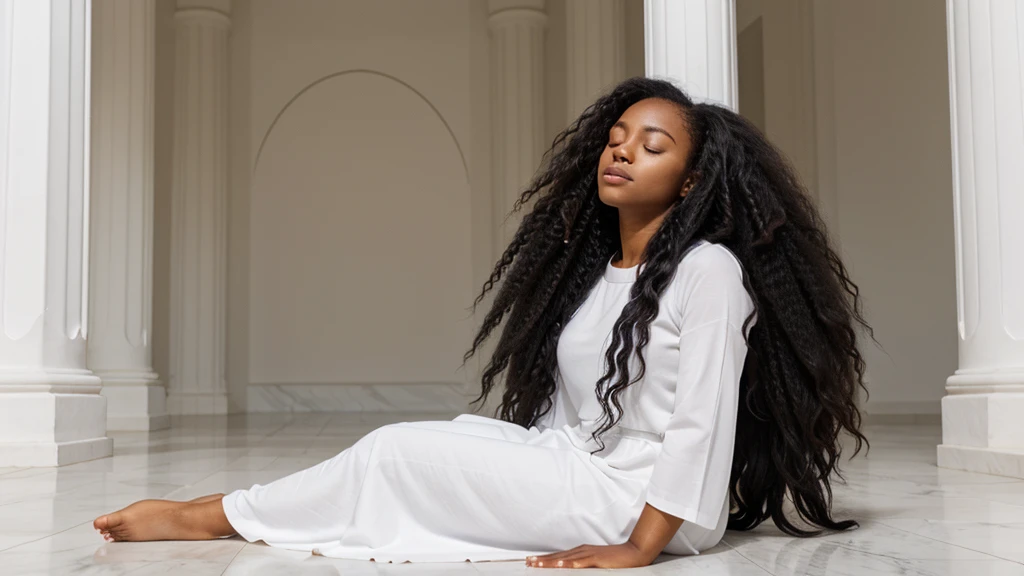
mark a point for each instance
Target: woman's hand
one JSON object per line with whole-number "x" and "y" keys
{"x": 652, "y": 533}
{"x": 624, "y": 555}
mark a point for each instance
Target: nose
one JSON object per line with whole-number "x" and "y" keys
{"x": 621, "y": 154}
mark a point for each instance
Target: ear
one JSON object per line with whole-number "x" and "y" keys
{"x": 689, "y": 183}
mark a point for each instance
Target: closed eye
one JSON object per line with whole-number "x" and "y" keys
{"x": 613, "y": 144}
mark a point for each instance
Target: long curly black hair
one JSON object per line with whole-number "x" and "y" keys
{"x": 803, "y": 367}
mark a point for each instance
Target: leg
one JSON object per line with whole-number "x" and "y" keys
{"x": 199, "y": 519}
{"x": 206, "y": 498}
{"x": 169, "y": 520}
{"x": 441, "y": 491}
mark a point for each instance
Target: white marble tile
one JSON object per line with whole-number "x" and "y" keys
{"x": 261, "y": 559}
{"x": 1002, "y": 540}
{"x": 227, "y": 481}
{"x": 916, "y": 518}
{"x": 69, "y": 508}
{"x": 872, "y": 549}
{"x": 1005, "y": 491}
{"x": 721, "y": 559}
{"x": 249, "y": 462}
{"x": 258, "y": 559}
{"x": 871, "y": 539}
{"x": 838, "y": 561}
{"x": 81, "y": 550}
{"x": 864, "y": 504}
{"x": 16, "y": 537}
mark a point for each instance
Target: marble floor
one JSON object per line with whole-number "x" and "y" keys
{"x": 916, "y": 519}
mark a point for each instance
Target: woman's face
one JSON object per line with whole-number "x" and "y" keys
{"x": 643, "y": 166}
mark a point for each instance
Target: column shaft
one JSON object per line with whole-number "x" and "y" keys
{"x": 693, "y": 43}
{"x": 199, "y": 210}
{"x": 51, "y": 410}
{"x": 984, "y": 403}
{"x": 596, "y": 50}
{"x": 121, "y": 243}
{"x": 517, "y": 104}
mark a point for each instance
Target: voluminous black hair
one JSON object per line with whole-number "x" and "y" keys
{"x": 803, "y": 367}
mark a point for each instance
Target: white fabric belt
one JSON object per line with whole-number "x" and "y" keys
{"x": 634, "y": 433}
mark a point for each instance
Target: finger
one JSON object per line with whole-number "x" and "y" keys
{"x": 579, "y": 556}
{"x": 546, "y": 560}
{"x": 566, "y": 558}
{"x": 556, "y": 555}
{"x": 569, "y": 551}
{"x": 586, "y": 560}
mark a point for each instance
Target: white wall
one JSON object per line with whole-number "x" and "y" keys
{"x": 750, "y": 56}
{"x": 871, "y": 141}
{"x": 358, "y": 241}
{"x": 872, "y": 144}
{"x": 359, "y": 196}
{"x": 352, "y": 251}
{"x": 163, "y": 140}
{"x": 894, "y": 197}
{"x": 786, "y": 76}
{"x": 556, "y": 59}
{"x": 239, "y": 207}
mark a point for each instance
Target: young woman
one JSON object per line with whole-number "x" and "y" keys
{"x": 679, "y": 357}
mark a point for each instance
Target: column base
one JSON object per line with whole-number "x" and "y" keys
{"x": 197, "y": 403}
{"x": 47, "y": 429}
{"x": 135, "y": 403}
{"x": 982, "y": 433}
{"x": 1000, "y": 462}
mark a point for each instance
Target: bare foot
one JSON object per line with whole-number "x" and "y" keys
{"x": 165, "y": 520}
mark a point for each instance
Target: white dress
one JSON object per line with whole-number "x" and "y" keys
{"x": 477, "y": 488}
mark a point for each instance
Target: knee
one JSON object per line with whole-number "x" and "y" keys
{"x": 397, "y": 441}
{"x": 384, "y": 437}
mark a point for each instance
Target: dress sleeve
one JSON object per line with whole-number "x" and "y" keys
{"x": 691, "y": 475}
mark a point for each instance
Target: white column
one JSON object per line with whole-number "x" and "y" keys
{"x": 199, "y": 209}
{"x": 693, "y": 43}
{"x": 51, "y": 410}
{"x": 596, "y": 49}
{"x": 517, "y": 104}
{"x": 983, "y": 410}
{"x": 121, "y": 245}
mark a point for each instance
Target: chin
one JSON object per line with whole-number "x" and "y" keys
{"x": 609, "y": 196}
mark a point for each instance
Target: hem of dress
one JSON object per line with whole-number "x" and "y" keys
{"x": 444, "y": 558}
{"x": 243, "y": 526}
{"x": 235, "y": 517}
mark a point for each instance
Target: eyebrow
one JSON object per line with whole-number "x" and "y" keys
{"x": 623, "y": 125}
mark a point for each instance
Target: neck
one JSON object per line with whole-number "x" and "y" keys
{"x": 635, "y": 231}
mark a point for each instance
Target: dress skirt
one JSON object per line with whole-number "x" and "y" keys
{"x": 473, "y": 488}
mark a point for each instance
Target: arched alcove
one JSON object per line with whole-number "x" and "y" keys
{"x": 360, "y": 264}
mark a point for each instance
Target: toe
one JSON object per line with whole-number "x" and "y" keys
{"x": 109, "y": 522}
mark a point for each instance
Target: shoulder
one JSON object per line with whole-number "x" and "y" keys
{"x": 709, "y": 284}
{"x": 710, "y": 261}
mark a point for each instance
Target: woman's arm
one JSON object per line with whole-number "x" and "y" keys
{"x": 653, "y": 531}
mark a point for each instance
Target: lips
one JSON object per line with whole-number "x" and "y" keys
{"x": 614, "y": 171}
